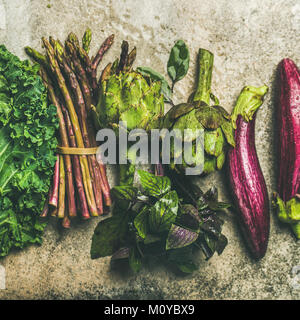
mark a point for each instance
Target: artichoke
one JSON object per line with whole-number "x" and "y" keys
{"x": 197, "y": 113}
{"x": 129, "y": 97}
{"x": 126, "y": 95}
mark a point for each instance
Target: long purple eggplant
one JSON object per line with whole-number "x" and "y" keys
{"x": 288, "y": 107}
{"x": 246, "y": 178}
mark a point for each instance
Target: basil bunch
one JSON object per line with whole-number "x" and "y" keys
{"x": 160, "y": 223}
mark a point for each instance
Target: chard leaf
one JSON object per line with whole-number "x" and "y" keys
{"x": 164, "y": 212}
{"x": 178, "y": 63}
{"x": 180, "y": 237}
{"x": 155, "y": 186}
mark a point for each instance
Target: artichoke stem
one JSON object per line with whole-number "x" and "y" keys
{"x": 205, "y": 67}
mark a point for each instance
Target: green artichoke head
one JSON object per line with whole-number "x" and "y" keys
{"x": 216, "y": 125}
{"x": 202, "y": 111}
{"x": 131, "y": 98}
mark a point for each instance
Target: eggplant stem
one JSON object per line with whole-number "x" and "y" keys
{"x": 249, "y": 100}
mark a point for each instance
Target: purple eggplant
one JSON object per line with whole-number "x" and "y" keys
{"x": 288, "y": 106}
{"x": 246, "y": 178}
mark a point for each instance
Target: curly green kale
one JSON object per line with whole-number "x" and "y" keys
{"x": 28, "y": 141}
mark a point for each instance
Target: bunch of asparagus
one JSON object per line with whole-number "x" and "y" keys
{"x": 70, "y": 75}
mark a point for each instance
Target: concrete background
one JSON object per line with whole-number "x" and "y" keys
{"x": 248, "y": 39}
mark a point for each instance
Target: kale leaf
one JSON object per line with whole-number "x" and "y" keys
{"x": 28, "y": 126}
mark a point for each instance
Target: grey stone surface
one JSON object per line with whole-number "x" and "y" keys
{"x": 248, "y": 39}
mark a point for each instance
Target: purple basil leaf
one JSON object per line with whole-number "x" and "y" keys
{"x": 179, "y": 237}
{"x": 202, "y": 243}
{"x": 189, "y": 216}
{"x": 212, "y": 225}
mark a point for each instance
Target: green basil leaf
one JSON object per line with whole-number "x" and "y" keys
{"x": 135, "y": 261}
{"x": 109, "y": 235}
{"x": 187, "y": 267}
{"x": 180, "y": 237}
{"x": 125, "y": 192}
{"x": 156, "y": 76}
{"x": 164, "y": 212}
{"x": 151, "y": 238}
{"x": 183, "y": 259}
{"x": 155, "y": 186}
{"x": 178, "y": 63}
{"x": 141, "y": 222}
